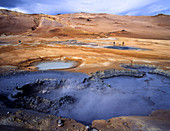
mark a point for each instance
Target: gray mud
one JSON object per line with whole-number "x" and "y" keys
{"x": 84, "y": 98}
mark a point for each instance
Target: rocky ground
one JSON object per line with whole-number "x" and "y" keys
{"x": 29, "y": 120}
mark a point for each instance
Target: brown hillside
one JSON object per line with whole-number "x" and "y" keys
{"x": 156, "y": 27}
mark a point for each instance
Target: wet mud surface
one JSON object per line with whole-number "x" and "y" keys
{"x": 86, "y": 98}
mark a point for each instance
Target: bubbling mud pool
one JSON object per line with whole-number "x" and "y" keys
{"x": 55, "y": 65}
{"x": 84, "y": 98}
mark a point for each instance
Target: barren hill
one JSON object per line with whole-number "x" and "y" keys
{"x": 83, "y": 24}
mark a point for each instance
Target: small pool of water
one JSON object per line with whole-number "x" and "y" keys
{"x": 124, "y": 48}
{"x": 55, "y": 65}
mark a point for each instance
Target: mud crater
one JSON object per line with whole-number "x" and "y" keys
{"x": 49, "y": 63}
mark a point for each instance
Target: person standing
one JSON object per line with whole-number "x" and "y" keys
{"x": 114, "y": 43}
{"x": 123, "y": 43}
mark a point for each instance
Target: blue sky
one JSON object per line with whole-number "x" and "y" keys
{"x": 119, "y": 7}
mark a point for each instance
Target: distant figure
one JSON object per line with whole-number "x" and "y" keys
{"x": 123, "y": 43}
{"x": 131, "y": 63}
{"x": 20, "y": 42}
{"x": 119, "y": 44}
{"x": 114, "y": 43}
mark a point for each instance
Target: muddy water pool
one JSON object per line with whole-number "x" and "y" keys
{"x": 55, "y": 65}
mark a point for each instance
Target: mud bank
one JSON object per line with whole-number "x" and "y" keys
{"x": 135, "y": 70}
{"x": 150, "y": 68}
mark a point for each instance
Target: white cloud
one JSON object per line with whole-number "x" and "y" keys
{"x": 152, "y": 9}
{"x": 2, "y": 7}
{"x": 159, "y": 7}
{"x": 15, "y": 9}
{"x": 19, "y": 10}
